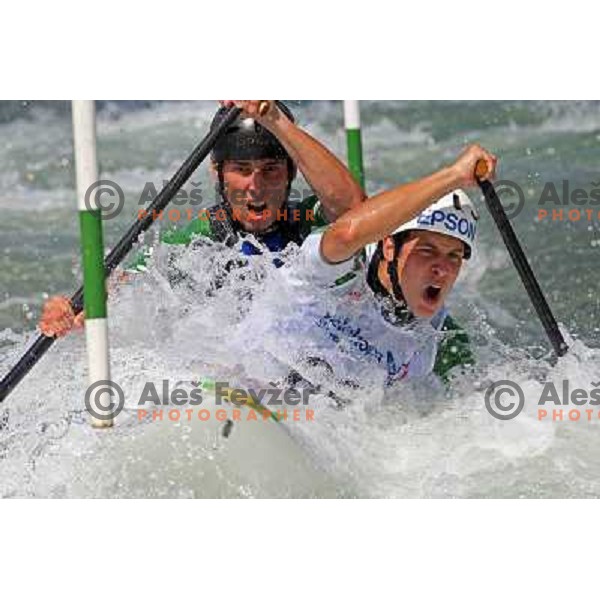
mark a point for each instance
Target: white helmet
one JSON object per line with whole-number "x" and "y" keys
{"x": 452, "y": 215}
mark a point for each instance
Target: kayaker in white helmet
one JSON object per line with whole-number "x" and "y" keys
{"x": 416, "y": 237}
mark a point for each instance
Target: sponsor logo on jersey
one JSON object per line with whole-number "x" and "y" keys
{"x": 341, "y": 331}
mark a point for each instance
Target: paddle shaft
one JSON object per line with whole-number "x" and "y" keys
{"x": 522, "y": 265}
{"x": 122, "y": 248}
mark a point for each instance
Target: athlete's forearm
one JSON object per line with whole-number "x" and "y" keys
{"x": 382, "y": 214}
{"x": 332, "y": 182}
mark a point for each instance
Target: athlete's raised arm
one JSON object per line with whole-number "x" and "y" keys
{"x": 382, "y": 214}
{"x": 329, "y": 178}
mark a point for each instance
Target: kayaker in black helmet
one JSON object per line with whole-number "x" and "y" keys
{"x": 255, "y": 163}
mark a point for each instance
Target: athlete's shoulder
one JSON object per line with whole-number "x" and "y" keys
{"x": 334, "y": 275}
{"x": 174, "y": 236}
{"x": 200, "y": 226}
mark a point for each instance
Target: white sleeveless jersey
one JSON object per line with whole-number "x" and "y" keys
{"x": 335, "y": 306}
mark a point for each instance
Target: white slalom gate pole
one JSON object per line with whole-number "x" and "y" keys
{"x": 92, "y": 248}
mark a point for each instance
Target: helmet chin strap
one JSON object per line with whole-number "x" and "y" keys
{"x": 392, "y": 271}
{"x": 398, "y": 311}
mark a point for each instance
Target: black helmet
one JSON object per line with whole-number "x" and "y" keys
{"x": 245, "y": 139}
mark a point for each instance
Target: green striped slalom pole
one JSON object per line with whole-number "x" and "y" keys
{"x": 354, "y": 140}
{"x": 92, "y": 251}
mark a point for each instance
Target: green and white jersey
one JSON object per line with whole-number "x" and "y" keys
{"x": 352, "y": 330}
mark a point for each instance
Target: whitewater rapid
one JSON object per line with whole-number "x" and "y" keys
{"x": 421, "y": 442}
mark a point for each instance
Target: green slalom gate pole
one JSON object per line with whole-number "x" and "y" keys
{"x": 92, "y": 253}
{"x": 354, "y": 140}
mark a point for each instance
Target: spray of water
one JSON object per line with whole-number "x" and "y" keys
{"x": 174, "y": 322}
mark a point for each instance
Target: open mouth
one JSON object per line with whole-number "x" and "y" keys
{"x": 257, "y": 210}
{"x": 432, "y": 293}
